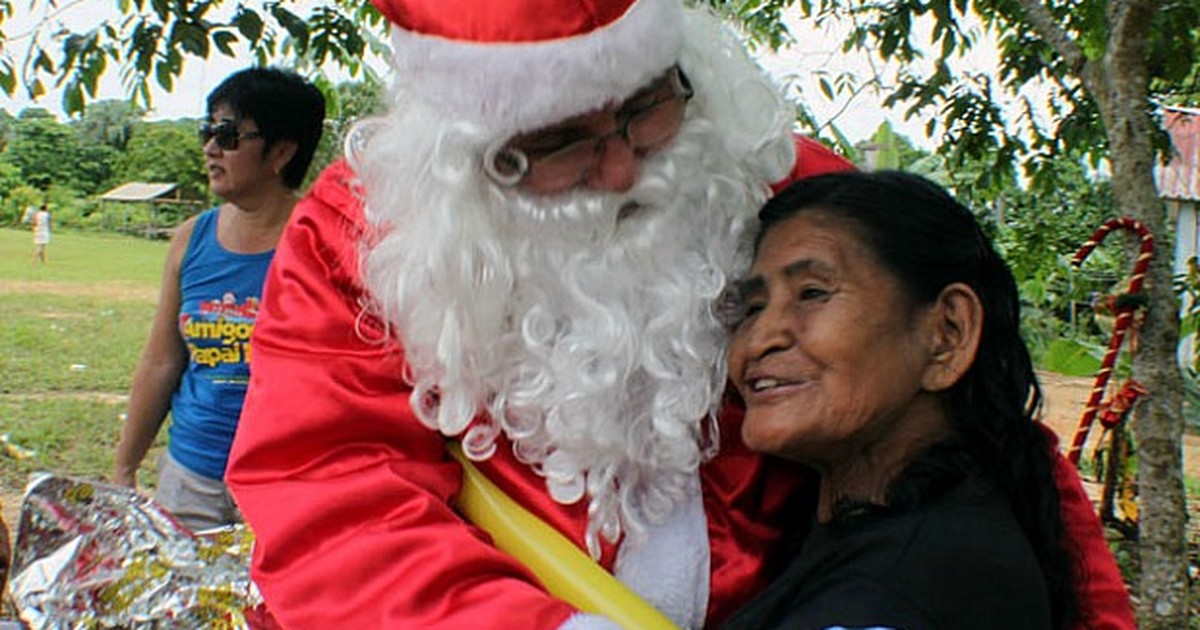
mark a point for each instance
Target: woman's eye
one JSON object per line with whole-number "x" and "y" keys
{"x": 734, "y": 316}
{"x": 813, "y": 293}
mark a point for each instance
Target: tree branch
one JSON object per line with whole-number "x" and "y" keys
{"x": 1128, "y": 36}
{"x": 1048, "y": 28}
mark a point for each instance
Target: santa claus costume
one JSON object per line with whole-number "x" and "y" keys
{"x": 567, "y": 341}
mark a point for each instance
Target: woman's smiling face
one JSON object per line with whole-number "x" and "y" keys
{"x": 829, "y": 352}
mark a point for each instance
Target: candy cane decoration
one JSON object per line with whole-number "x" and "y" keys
{"x": 1124, "y": 318}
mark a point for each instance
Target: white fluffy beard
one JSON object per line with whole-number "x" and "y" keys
{"x": 581, "y": 325}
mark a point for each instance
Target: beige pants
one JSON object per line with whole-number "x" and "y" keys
{"x": 196, "y": 501}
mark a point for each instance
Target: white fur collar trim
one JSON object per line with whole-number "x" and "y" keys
{"x": 670, "y": 568}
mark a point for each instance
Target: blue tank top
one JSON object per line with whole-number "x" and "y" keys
{"x": 220, "y": 291}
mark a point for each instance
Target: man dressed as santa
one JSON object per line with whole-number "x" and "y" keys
{"x": 524, "y": 256}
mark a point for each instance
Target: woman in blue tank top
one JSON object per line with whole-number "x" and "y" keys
{"x": 262, "y": 128}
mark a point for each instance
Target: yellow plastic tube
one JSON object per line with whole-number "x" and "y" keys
{"x": 565, "y": 570}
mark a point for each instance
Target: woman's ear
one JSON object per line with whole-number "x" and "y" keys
{"x": 281, "y": 153}
{"x": 956, "y": 326}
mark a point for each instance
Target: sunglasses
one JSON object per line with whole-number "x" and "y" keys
{"x": 226, "y": 134}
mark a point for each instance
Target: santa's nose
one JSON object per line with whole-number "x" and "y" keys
{"x": 617, "y": 167}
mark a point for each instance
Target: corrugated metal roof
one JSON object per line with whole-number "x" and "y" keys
{"x": 138, "y": 191}
{"x": 1180, "y": 178}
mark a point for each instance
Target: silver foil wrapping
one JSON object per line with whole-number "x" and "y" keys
{"x": 92, "y": 555}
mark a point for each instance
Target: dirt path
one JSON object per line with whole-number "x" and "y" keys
{"x": 12, "y": 510}
{"x": 1065, "y": 398}
{"x": 126, "y": 290}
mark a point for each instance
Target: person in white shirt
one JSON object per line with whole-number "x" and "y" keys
{"x": 41, "y": 233}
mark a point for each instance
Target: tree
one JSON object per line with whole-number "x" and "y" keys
{"x": 92, "y": 168}
{"x": 166, "y": 152}
{"x": 43, "y": 149}
{"x": 109, "y": 122}
{"x": 48, "y": 152}
{"x": 10, "y": 180}
{"x": 346, "y": 103}
{"x": 151, "y": 40}
{"x": 1096, "y": 61}
{"x": 882, "y": 151}
{"x": 8, "y": 128}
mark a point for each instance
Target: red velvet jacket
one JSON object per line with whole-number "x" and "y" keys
{"x": 349, "y": 494}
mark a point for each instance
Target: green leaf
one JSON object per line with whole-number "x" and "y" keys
{"x": 8, "y": 78}
{"x": 162, "y": 73}
{"x": 43, "y": 62}
{"x": 73, "y": 98}
{"x": 826, "y": 89}
{"x": 224, "y": 42}
{"x": 162, "y": 9}
{"x": 191, "y": 38}
{"x": 295, "y": 26}
{"x": 1188, "y": 326}
{"x": 1072, "y": 358}
{"x": 249, "y": 24}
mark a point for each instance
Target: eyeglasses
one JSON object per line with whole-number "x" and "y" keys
{"x": 226, "y": 133}
{"x": 646, "y": 121}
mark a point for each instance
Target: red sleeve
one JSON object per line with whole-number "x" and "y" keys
{"x": 1103, "y": 600}
{"x": 346, "y": 491}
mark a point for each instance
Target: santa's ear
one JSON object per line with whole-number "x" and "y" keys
{"x": 956, "y": 324}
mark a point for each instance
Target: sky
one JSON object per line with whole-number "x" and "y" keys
{"x": 814, "y": 52}
{"x": 186, "y": 100}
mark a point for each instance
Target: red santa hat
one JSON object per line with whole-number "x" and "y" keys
{"x": 516, "y": 65}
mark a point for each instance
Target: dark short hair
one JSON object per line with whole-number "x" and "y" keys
{"x": 927, "y": 240}
{"x": 284, "y": 105}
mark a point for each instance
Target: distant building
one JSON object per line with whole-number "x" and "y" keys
{"x": 1179, "y": 179}
{"x": 167, "y": 207}
{"x": 1179, "y": 186}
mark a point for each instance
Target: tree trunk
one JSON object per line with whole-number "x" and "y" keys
{"x": 1158, "y": 423}
{"x": 1158, "y": 431}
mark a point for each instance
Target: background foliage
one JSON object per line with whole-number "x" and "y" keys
{"x": 69, "y": 164}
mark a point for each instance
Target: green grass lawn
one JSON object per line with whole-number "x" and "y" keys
{"x": 72, "y": 332}
{"x": 83, "y": 258}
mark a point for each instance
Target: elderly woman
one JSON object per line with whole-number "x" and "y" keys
{"x": 876, "y": 340}
{"x": 262, "y": 129}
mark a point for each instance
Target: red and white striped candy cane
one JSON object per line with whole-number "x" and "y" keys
{"x": 1124, "y": 319}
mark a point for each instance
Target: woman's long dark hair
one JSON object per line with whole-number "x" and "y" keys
{"x": 928, "y": 240}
